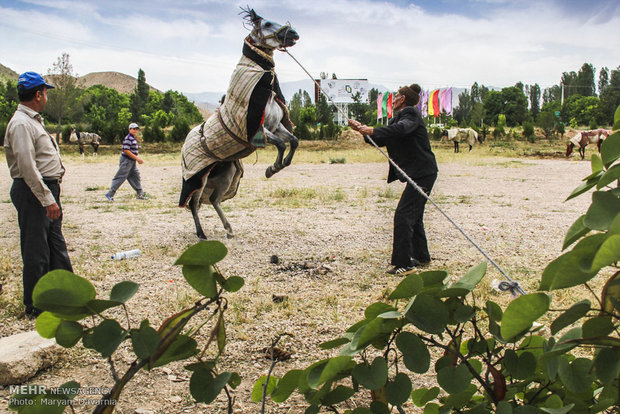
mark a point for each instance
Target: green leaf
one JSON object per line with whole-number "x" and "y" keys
{"x": 503, "y": 407}
{"x": 607, "y": 364}
{"x": 610, "y": 149}
{"x": 397, "y": 391}
{"x": 607, "y": 254}
{"x": 233, "y": 284}
{"x": 520, "y": 366}
{"x": 597, "y": 163}
{"x": 201, "y": 279}
{"x": 416, "y": 356}
{"x": 182, "y": 347}
{"x": 433, "y": 279}
{"x": 286, "y": 386}
{"x": 204, "y": 253}
{"x": 611, "y": 294}
{"x": 63, "y": 293}
{"x": 563, "y": 410}
{"x": 576, "y": 376}
{"x": 494, "y": 311}
{"x": 68, "y": 333}
{"x": 333, "y": 367}
{"x": 604, "y": 208}
{"x": 582, "y": 188}
{"x": 422, "y": 396}
{"x": 234, "y": 381}
{"x": 376, "y": 309}
{"x": 454, "y": 379}
{"x": 47, "y": 324}
{"x": 597, "y": 327}
{"x": 428, "y": 313}
{"x": 257, "y": 390}
{"x": 204, "y": 388}
{"x": 123, "y": 291}
{"x": 468, "y": 282}
{"x": 107, "y": 336}
{"x": 368, "y": 333}
{"x": 221, "y": 335}
{"x": 338, "y": 395}
{"x": 374, "y": 376}
{"x": 144, "y": 340}
{"x": 334, "y": 343}
{"x": 572, "y": 315}
{"x": 96, "y": 306}
{"x": 609, "y": 177}
{"x": 575, "y": 232}
{"x": 522, "y": 312}
{"x": 408, "y": 287}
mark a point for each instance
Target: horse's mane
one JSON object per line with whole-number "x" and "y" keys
{"x": 249, "y": 15}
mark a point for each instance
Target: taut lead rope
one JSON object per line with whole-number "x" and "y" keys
{"x": 511, "y": 285}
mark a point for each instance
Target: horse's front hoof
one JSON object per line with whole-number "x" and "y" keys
{"x": 230, "y": 236}
{"x": 201, "y": 236}
{"x": 269, "y": 172}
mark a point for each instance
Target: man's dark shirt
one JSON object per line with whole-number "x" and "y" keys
{"x": 407, "y": 143}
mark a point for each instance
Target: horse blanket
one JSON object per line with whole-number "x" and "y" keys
{"x": 234, "y": 131}
{"x": 84, "y": 137}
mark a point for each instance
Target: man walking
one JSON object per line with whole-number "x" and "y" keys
{"x": 34, "y": 163}
{"x": 127, "y": 168}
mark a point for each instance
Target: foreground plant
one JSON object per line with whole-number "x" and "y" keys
{"x": 493, "y": 360}
{"x": 74, "y": 313}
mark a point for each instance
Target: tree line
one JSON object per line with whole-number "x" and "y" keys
{"x": 105, "y": 111}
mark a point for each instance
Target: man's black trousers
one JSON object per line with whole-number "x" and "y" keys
{"x": 409, "y": 237}
{"x": 42, "y": 244}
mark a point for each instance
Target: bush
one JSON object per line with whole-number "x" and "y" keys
{"x": 179, "y": 131}
{"x": 153, "y": 134}
{"x": 528, "y": 132}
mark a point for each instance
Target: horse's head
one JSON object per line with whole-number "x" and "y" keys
{"x": 569, "y": 148}
{"x": 267, "y": 34}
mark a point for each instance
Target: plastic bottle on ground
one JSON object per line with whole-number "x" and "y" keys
{"x": 126, "y": 254}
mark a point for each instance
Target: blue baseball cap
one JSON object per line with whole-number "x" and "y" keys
{"x": 29, "y": 80}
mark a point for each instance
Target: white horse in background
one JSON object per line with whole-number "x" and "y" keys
{"x": 460, "y": 134}
{"x": 83, "y": 138}
{"x": 583, "y": 138}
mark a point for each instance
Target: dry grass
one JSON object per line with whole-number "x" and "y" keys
{"x": 331, "y": 227}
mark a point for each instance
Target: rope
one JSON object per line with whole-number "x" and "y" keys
{"x": 511, "y": 285}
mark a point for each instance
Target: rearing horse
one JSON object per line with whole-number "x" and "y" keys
{"x": 253, "y": 112}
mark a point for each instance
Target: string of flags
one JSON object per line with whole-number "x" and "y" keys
{"x": 432, "y": 103}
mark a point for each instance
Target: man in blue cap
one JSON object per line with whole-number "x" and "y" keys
{"x": 34, "y": 163}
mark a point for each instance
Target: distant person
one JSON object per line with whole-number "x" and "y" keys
{"x": 34, "y": 163}
{"x": 407, "y": 143}
{"x": 127, "y": 168}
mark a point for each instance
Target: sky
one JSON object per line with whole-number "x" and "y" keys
{"x": 193, "y": 45}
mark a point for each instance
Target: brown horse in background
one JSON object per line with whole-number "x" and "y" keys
{"x": 583, "y": 138}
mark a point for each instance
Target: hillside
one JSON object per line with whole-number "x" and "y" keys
{"x": 114, "y": 80}
{"x": 6, "y": 73}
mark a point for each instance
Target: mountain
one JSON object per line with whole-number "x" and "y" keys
{"x": 113, "y": 80}
{"x": 8, "y": 74}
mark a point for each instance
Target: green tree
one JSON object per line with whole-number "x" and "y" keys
{"x": 585, "y": 80}
{"x": 603, "y": 79}
{"x": 64, "y": 97}
{"x": 610, "y": 98}
{"x": 546, "y": 121}
{"x": 584, "y": 109}
{"x": 534, "y": 92}
{"x": 552, "y": 94}
{"x": 140, "y": 96}
{"x": 493, "y": 106}
{"x": 107, "y": 111}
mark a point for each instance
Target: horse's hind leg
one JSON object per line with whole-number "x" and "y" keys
{"x": 193, "y": 206}
{"x": 81, "y": 149}
{"x": 281, "y": 147}
{"x": 95, "y": 148}
{"x": 218, "y": 209}
{"x": 293, "y": 144}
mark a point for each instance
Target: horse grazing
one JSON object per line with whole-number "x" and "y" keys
{"x": 253, "y": 112}
{"x": 583, "y": 138}
{"x": 83, "y": 138}
{"x": 460, "y": 134}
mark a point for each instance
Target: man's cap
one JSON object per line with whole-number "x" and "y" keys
{"x": 30, "y": 80}
{"x": 133, "y": 125}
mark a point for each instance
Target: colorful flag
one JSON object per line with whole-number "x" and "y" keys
{"x": 380, "y": 106}
{"x": 447, "y": 104}
{"x": 425, "y": 103}
{"x": 385, "y": 99}
{"x": 435, "y": 103}
{"x": 389, "y": 106}
{"x": 431, "y": 108}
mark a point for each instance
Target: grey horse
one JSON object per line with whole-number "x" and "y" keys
{"x": 83, "y": 138}
{"x": 253, "y": 113}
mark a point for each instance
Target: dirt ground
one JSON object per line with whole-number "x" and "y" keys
{"x": 330, "y": 226}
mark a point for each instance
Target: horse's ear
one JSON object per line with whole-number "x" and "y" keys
{"x": 254, "y": 17}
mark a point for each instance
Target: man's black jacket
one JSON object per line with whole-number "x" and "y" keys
{"x": 407, "y": 143}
